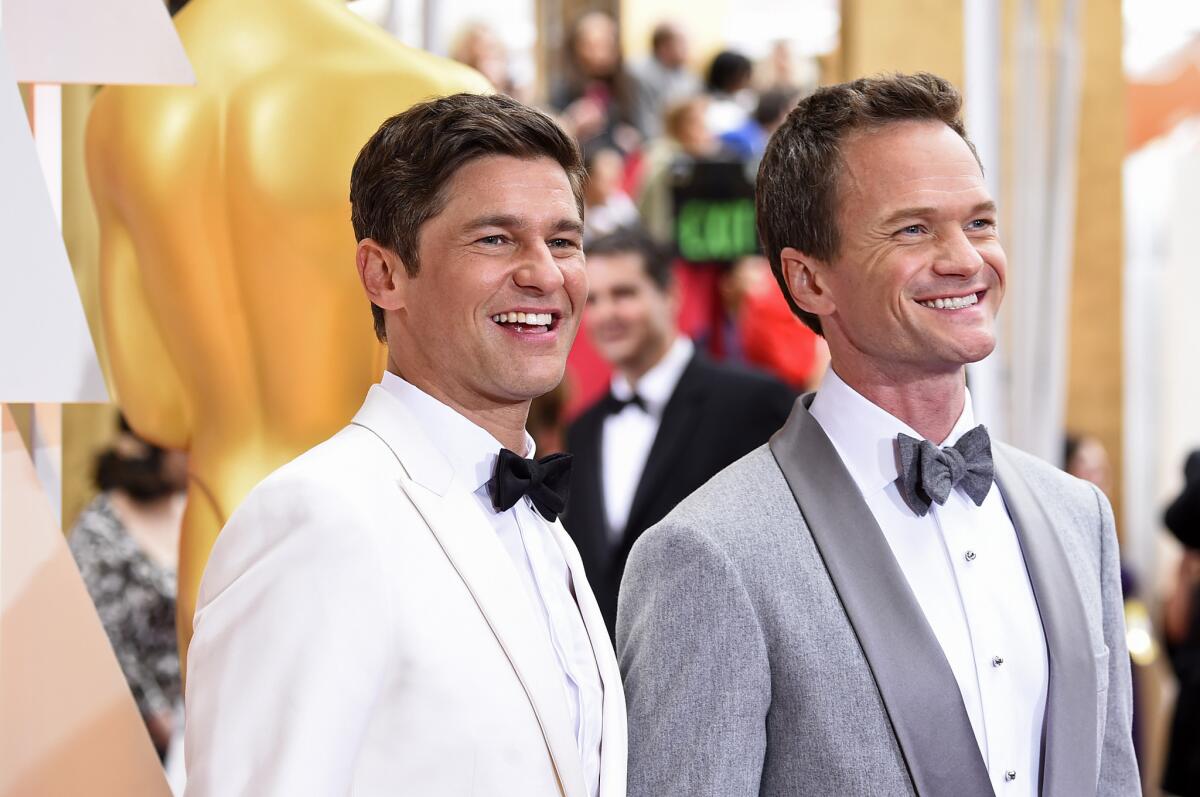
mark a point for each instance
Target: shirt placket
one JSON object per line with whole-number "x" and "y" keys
{"x": 550, "y": 596}
{"x": 963, "y": 551}
{"x": 975, "y": 569}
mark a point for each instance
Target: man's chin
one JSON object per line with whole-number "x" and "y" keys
{"x": 971, "y": 354}
{"x": 538, "y": 384}
{"x": 965, "y": 343}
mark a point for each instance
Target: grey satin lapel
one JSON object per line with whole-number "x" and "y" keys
{"x": 1069, "y": 762}
{"x": 915, "y": 681}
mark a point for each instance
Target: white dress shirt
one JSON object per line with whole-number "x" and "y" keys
{"x": 526, "y": 538}
{"x": 628, "y": 435}
{"x": 965, "y": 568}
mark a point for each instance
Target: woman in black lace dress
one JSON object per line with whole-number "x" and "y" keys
{"x": 126, "y": 545}
{"x": 1182, "y": 775}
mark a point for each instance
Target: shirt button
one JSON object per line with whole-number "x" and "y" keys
{"x": 997, "y": 661}
{"x": 1010, "y": 775}
{"x": 969, "y": 556}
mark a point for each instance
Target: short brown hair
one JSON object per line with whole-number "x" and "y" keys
{"x": 796, "y": 196}
{"x": 656, "y": 262}
{"x": 399, "y": 178}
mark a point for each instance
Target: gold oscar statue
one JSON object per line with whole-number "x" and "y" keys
{"x": 234, "y": 319}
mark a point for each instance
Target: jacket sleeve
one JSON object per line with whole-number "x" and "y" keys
{"x": 1118, "y": 766}
{"x": 290, "y": 648}
{"x": 697, "y": 680}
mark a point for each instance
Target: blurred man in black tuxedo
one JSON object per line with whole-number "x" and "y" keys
{"x": 671, "y": 420}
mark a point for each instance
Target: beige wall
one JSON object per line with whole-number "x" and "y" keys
{"x": 902, "y": 36}
{"x": 1094, "y": 402}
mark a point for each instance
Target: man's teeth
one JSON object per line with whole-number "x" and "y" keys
{"x": 532, "y": 319}
{"x": 956, "y": 303}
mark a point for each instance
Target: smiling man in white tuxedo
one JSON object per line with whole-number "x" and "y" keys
{"x": 882, "y": 600}
{"x": 398, "y": 609}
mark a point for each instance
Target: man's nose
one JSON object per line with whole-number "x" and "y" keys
{"x": 958, "y": 256}
{"x": 539, "y": 270}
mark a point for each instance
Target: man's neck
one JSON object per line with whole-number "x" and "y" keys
{"x": 505, "y": 422}
{"x": 641, "y": 365}
{"x": 930, "y": 403}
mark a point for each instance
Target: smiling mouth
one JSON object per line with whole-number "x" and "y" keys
{"x": 953, "y": 302}
{"x": 527, "y": 323}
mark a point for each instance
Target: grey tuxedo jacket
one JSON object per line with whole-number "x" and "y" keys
{"x": 771, "y": 645}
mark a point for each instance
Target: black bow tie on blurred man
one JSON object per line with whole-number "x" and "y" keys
{"x": 614, "y": 405}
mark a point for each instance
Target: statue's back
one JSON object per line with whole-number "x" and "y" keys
{"x": 235, "y": 321}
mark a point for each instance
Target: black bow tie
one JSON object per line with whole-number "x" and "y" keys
{"x": 613, "y": 405}
{"x": 546, "y": 481}
{"x": 929, "y": 473}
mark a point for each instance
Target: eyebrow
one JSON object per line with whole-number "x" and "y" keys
{"x": 515, "y": 222}
{"x": 909, "y": 213}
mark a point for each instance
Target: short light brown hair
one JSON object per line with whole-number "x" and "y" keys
{"x": 399, "y": 178}
{"x": 796, "y": 196}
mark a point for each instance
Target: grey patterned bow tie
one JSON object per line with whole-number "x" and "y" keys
{"x": 929, "y": 473}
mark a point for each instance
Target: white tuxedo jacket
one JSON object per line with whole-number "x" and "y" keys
{"x": 360, "y": 630}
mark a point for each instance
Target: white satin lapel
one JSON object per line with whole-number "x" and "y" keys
{"x": 476, "y": 554}
{"x": 614, "y": 739}
{"x": 463, "y": 532}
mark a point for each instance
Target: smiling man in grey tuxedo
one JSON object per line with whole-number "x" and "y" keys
{"x": 882, "y": 601}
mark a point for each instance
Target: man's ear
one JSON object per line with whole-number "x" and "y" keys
{"x": 382, "y": 274}
{"x": 805, "y": 278}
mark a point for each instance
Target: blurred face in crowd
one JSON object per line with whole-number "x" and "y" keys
{"x": 630, "y": 320}
{"x": 480, "y": 49}
{"x": 604, "y": 176}
{"x": 672, "y": 50}
{"x": 492, "y": 313}
{"x": 687, "y": 125}
{"x": 783, "y": 64}
{"x": 1090, "y": 463}
{"x": 596, "y": 48}
{"x": 915, "y": 287}
{"x": 749, "y": 275}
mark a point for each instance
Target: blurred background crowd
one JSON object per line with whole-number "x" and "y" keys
{"x": 672, "y": 106}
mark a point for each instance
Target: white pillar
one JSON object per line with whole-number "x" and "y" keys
{"x": 982, "y": 31}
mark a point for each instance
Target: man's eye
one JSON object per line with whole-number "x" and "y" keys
{"x": 491, "y": 239}
{"x": 563, "y": 243}
{"x": 982, "y": 224}
{"x": 912, "y": 229}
